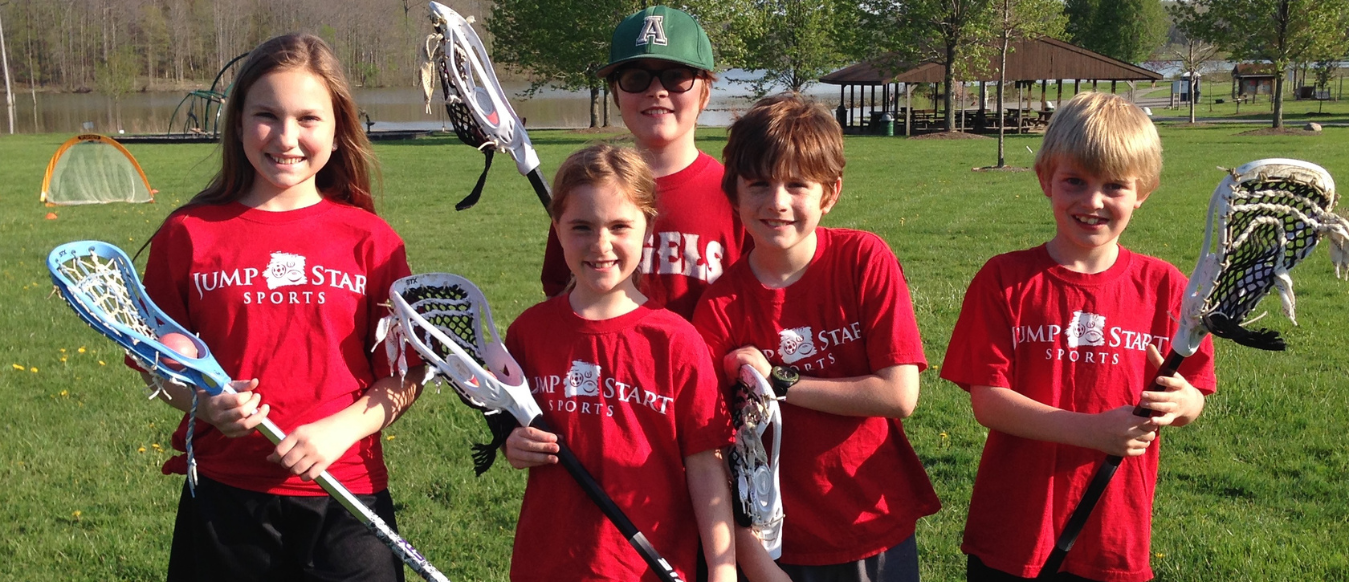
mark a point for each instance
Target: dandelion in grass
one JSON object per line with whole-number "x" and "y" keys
{"x": 18, "y": 367}
{"x": 100, "y": 362}
{"x": 140, "y": 450}
{"x": 76, "y": 514}
{"x": 388, "y": 438}
{"x": 81, "y": 350}
{"x": 33, "y": 369}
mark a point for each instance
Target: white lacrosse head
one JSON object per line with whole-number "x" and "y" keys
{"x": 1264, "y": 218}
{"x": 446, "y": 318}
{"x": 755, "y": 469}
{"x": 476, "y": 83}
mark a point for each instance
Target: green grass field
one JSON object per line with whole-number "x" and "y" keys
{"x": 1255, "y": 490}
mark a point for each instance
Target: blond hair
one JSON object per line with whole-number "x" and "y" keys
{"x": 784, "y": 135}
{"x": 1104, "y": 135}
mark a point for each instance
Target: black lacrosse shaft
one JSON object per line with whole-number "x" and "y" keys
{"x": 541, "y": 188}
{"x": 611, "y": 510}
{"x": 1104, "y": 473}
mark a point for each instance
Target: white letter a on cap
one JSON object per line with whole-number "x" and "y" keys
{"x": 654, "y": 30}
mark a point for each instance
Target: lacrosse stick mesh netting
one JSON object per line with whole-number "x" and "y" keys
{"x": 751, "y": 465}
{"x": 451, "y": 310}
{"x": 102, "y": 281}
{"x": 448, "y": 308}
{"x": 1275, "y": 219}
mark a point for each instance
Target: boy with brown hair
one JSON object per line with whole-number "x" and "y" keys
{"x": 825, "y": 313}
{"x": 1055, "y": 344}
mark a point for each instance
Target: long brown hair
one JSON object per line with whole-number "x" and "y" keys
{"x": 347, "y": 175}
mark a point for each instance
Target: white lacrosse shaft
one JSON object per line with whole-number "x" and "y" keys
{"x": 765, "y": 481}
{"x": 487, "y": 102}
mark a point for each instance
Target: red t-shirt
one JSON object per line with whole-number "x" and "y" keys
{"x": 851, "y": 486}
{"x": 696, "y": 236}
{"x": 292, "y": 299}
{"x": 632, "y": 396}
{"x": 1076, "y": 342}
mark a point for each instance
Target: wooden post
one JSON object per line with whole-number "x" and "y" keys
{"x": 1019, "y": 123}
{"x": 908, "y": 108}
{"x": 1059, "y": 102}
{"x": 1112, "y": 86}
{"x": 1077, "y": 86}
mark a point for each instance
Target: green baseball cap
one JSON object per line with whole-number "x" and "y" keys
{"x": 660, "y": 32}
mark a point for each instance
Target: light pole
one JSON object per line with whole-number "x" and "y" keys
{"x": 4, "y": 58}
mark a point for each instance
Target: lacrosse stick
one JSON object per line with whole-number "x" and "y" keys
{"x": 447, "y": 321}
{"x": 100, "y": 284}
{"x": 1264, "y": 218}
{"x": 475, "y": 102}
{"x": 756, "y": 494}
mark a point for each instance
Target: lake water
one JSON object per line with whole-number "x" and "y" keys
{"x": 391, "y": 108}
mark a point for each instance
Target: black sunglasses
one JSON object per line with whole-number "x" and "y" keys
{"x": 638, "y": 80}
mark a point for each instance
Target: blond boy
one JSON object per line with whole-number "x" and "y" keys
{"x": 1056, "y": 343}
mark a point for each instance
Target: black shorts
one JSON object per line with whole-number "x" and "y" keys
{"x": 231, "y": 534}
{"x": 897, "y": 564}
{"x": 977, "y": 571}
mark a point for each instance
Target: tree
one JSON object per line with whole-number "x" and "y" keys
{"x": 1128, "y": 30}
{"x": 560, "y": 44}
{"x": 794, "y": 42}
{"x": 1019, "y": 19}
{"x": 1324, "y": 71}
{"x": 1283, "y": 32}
{"x": 116, "y": 77}
{"x": 1193, "y": 55}
{"x": 952, "y": 32}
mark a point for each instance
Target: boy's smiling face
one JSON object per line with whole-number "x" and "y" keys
{"x": 782, "y": 212}
{"x": 658, "y": 117}
{"x": 1090, "y": 213}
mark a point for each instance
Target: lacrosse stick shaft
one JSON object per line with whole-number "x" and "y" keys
{"x": 1104, "y": 473}
{"x": 611, "y": 510}
{"x": 400, "y": 546}
{"x": 541, "y": 188}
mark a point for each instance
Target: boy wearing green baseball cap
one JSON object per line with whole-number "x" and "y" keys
{"x": 660, "y": 74}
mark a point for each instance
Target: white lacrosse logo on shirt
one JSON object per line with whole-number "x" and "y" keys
{"x": 582, "y": 380}
{"x": 795, "y": 344}
{"x": 1086, "y": 329}
{"x": 284, "y": 269}
{"x": 653, "y": 31}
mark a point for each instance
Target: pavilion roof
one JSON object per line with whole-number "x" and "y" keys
{"x": 1028, "y": 60}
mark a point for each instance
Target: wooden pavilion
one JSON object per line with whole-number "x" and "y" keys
{"x": 1028, "y": 61}
{"x": 1250, "y": 80}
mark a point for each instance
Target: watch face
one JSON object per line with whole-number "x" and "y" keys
{"x": 786, "y": 375}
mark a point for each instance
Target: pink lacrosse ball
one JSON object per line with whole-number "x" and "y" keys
{"x": 178, "y": 343}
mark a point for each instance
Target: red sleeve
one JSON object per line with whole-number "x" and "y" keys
{"x": 710, "y": 320}
{"x": 980, "y": 351}
{"x": 887, "y": 310}
{"x": 555, "y": 274}
{"x": 389, "y": 263}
